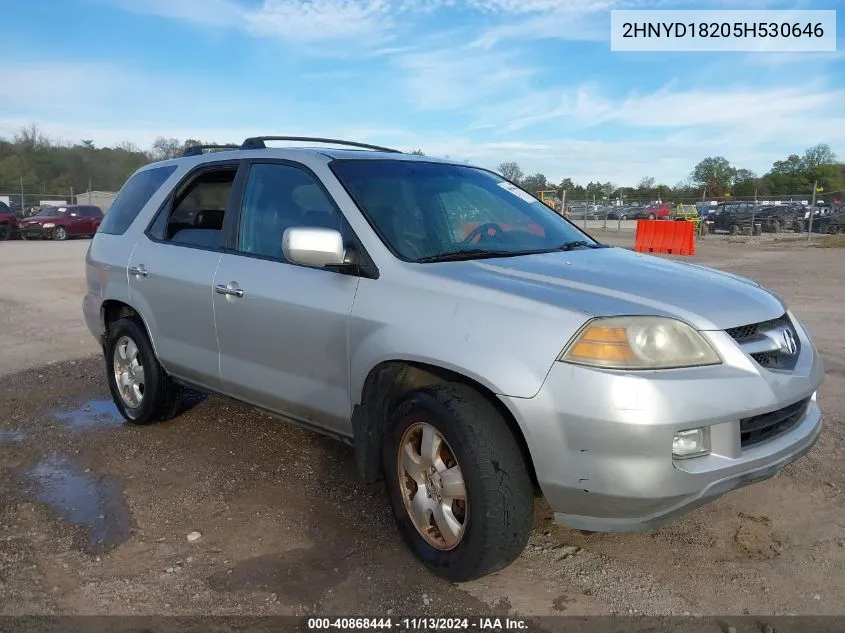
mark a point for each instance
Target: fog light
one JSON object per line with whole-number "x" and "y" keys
{"x": 691, "y": 443}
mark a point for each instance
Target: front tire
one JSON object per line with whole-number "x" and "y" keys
{"x": 457, "y": 482}
{"x": 60, "y": 233}
{"x": 140, "y": 388}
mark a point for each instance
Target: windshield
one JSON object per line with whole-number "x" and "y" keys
{"x": 51, "y": 212}
{"x": 423, "y": 211}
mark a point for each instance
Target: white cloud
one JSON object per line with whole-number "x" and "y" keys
{"x": 451, "y": 78}
{"x": 743, "y": 110}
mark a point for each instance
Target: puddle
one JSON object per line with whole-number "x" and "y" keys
{"x": 92, "y": 414}
{"x": 7, "y": 437}
{"x": 95, "y": 503}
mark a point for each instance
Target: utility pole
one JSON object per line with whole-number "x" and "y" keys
{"x": 812, "y": 211}
{"x": 22, "y": 201}
{"x": 753, "y": 212}
{"x": 563, "y": 204}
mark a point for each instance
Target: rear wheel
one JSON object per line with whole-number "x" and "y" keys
{"x": 60, "y": 233}
{"x": 651, "y": 216}
{"x": 141, "y": 389}
{"x": 5, "y": 232}
{"x": 457, "y": 482}
{"x": 734, "y": 229}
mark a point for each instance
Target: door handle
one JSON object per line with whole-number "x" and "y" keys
{"x": 138, "y": 271}
{"x": 222, "y": 289}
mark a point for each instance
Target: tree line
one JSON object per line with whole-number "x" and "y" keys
{"x": 713, "y": 177}
{"x": 39, "y": 164}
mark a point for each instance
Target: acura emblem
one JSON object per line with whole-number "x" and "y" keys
{"x": 789, "y": 345}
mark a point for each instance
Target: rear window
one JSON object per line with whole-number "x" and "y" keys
{"x": 132, "y": 197}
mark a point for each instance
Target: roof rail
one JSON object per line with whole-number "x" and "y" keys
{"x": 257, "y": 142}
{"x": 196, "y": 150}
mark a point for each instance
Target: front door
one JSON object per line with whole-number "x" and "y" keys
{"x": 283, "y": 328}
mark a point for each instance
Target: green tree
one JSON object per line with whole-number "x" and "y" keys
{"x": 715, "y": 173}
{"x": 744, "y": 183}
{"x": 535, "y": 183}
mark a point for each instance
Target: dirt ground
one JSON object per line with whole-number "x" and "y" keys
{"x": 95, "y": 514}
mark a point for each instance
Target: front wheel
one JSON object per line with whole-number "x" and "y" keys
{"x": 141, "y": 389}
{"x": 457, "y": 482}
{"x": 60, "y": 233}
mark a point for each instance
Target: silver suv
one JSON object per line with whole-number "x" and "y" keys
{"x": 474, "y": 346}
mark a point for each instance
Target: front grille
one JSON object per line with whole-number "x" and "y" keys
{"x": 744, "y": 332}
{"x": 764, "y": 342}
{"x": 767, "y": 426}
{"x": 766, "y": 359}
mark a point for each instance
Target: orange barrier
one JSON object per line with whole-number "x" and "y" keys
{"x": 665, "y": 236}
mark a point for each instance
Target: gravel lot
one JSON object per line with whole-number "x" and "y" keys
{"x": 95, "y": 515}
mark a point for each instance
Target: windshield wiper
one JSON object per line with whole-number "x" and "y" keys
{"x": 569, "y": 246}
{"x": 470, "y": 253}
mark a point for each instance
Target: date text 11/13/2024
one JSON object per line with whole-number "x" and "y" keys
{"x": 418, "y": 624}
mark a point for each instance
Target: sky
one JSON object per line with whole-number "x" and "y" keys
{"x": 483, "y": 81}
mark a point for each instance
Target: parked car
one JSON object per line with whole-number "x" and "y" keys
{"x": 654, "y": 212}
{"x": 60, "y": 223}
{"x": 833, "y": 224}
{"x": 779, "y": 218}
{"x": 467, "y": 369}
{"x": 8, "y": 222}
{"x": 733, "y": 217}
{"x": 620, "y": 213}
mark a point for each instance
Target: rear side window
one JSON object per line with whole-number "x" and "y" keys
{"x": 132, "y": 197}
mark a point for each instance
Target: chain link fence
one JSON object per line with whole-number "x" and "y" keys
{"x": 26, "y": 204}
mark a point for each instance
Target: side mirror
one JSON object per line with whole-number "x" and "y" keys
{"x": 313, "y": 246}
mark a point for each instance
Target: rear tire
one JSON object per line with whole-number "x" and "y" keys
{"x": 734, "y": 229}
{"x": 5, "y": 232}
{"x": 144, "y": 396}
{"x": 496, "y": 516}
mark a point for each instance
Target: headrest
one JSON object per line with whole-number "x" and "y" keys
{"x": 209, "y": 219}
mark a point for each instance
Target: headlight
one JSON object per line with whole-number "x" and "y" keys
{"x": 47, "y": 225}
{"x": 639, "y": 342}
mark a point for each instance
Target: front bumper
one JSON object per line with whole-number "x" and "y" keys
{"x": 601, "y": 441}
{"x": 35, "y": 232}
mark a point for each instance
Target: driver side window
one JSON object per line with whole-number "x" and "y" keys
{"x": 278, "y": 197}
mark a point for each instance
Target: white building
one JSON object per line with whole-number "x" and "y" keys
{"x": 102, "y": 199}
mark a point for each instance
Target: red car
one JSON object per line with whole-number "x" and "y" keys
{"x": 8, "y": 222}
{"x": 654, "y": 212}
{"x": 60, "y": 223}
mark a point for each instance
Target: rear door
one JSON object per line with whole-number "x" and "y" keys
{"x": 283, "y": 328}
{"x": 96, "y": 215}
{"x": 80, "y": 221}
{"x": 171, "y": 271}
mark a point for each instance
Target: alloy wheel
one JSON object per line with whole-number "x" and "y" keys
{"x": 432, "y": 486}
{"x": 129, "y": 372}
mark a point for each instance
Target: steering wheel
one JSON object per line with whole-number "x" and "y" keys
{"x": 482, "y": 231}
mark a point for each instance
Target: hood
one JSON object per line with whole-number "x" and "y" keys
{"x": 616, "y": 281}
